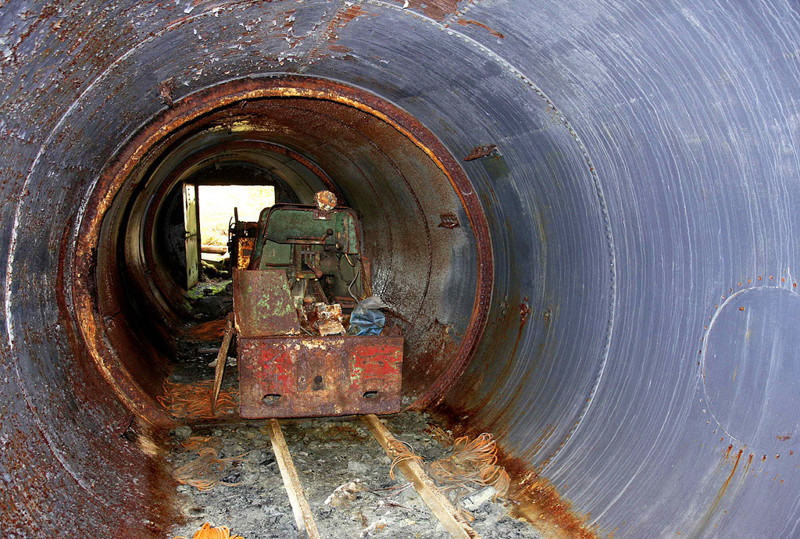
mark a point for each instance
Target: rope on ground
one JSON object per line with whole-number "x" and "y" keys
{"x": 204, "y": 472}
{"x": 402, "y": 452}
{"x": 194, "y": 400}
{"x": 195, "y": 443}
{"x": 212, "y": 330}
{"x": 473, "y": 462}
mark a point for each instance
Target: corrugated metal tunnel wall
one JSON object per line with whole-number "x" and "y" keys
{"x": 641, "y": 351}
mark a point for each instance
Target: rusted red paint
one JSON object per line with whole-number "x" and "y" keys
{"x": 435, "y": 9}
{"x": 319, "y": 376}
{"x": 495, "y": 33}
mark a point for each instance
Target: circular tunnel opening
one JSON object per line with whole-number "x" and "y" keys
{"x": 425, "y": 235}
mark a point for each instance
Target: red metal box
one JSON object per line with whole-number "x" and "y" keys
{"x": 306, "y": 376}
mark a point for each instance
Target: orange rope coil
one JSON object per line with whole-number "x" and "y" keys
{"x": 473, "y": 461}
{"x": 194, "y": 400}
{"x": 402, "y": 452}
{"x": 207, "y": 532}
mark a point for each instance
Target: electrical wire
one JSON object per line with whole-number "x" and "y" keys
{"x": 358, "y": 272}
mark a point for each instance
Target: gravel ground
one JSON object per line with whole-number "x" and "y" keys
{"x": 328, "y": 454}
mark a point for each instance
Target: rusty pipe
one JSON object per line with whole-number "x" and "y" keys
{"x": 639, "y": 356}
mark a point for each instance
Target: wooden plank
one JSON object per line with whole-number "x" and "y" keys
{"x": 214, "y": 249}
{"x": 222, "y": 359}
{"x": 302, "y": 512}
{"x": 438, "y": 503}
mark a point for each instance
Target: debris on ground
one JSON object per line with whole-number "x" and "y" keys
{"x": 229, "y": 362}
{"x": 373, "y": 529}
{"x": 472, "y": 465}
{"x": 183, "y": 432}
{"x": 207, "y": 532}
{"x": 402, "y": 452}
{"x": 205, "y": 471}
{"x": 194, "y": 400}
{"x": 210, "y": 299}
{"x": 475, "y": 500}
{"x": 196, "y": 443}
{"x": 344, "y": 494}
{"x": 444, "y": 437}
{"x": 209, "y": 331}
{"x": 217, "y": 268}
{"x": 329, "y": 453}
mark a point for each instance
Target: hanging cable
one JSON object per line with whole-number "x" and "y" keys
{"x": 358, "y": 272}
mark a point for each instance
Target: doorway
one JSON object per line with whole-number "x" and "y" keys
{"x": 210, "y": 211}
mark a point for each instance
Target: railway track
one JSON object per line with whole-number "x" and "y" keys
{"x": 436, "y": 501}
{"x": 335, "y": 479}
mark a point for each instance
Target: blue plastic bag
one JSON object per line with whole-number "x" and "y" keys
{"x": 366, "y": 318}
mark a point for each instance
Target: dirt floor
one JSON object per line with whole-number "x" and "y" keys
{"x": 329, "y": 454}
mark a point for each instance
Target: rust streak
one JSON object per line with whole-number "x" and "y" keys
{"x": 534, "y": 498}
{"x": 495, "y": 33}
{"x": 538, "y": 502}
{"x": 724, "y": 486}
{"x": 747, "y": 466}
{"x": 438, "y": 10}
{"x": 481, "y": 151}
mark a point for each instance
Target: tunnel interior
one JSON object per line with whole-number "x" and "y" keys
{"x": 582, "y": 215}
{"x": 424, "y": 262}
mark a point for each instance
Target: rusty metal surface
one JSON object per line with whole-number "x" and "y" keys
{"x": 451, "y": 266}
{"x": 262, "y": 303}
{"x": 319, "y": 376}
{"x": 244, "y": 250}
{"x": 306, "y": 176}
{"x": 648, "y": 174}
{"x": 479, "y": 152}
